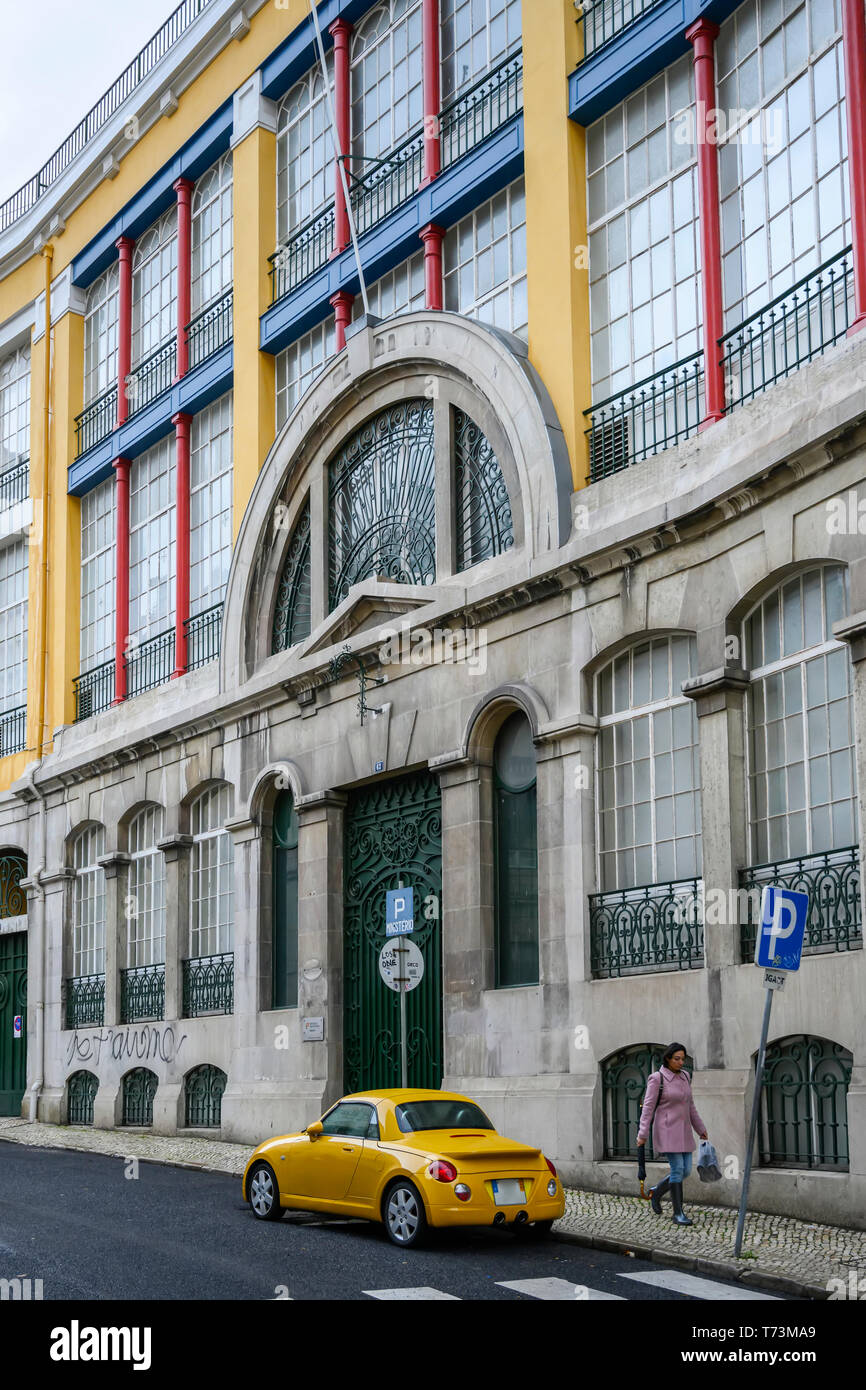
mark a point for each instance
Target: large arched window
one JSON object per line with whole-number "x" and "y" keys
{"x": 516, "y": 854}
{"x": 212, "y": 918}
{"x": 292, "y": 615}
{"x": 154, "y": 287}
{"x": 284, "y": 973}
{"x": 387, "y": 80}
{"x": 100, "y": 334}
{"x": 304, "y": 153}
{"x": 146, "y": 905}
{"x": 212, "y": 234}
{"x": 85, "y": 990}
{"x": 14, "y": 406}
{"x": 804, "y": 1104}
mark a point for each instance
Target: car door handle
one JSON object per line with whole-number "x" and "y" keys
{"x": 348, "y": 1148}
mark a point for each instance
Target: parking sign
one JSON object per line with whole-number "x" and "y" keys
{"x": 399, "y": 912}
{"x": 781, "y": 929}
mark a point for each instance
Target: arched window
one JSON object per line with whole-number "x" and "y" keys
{"x": 476, "y": 36}
{"x": 304, "y": 153}
{"x": 146, "y": 910}
{"x": 14, "y": 406}
{"x": 138, "y": 1090}
{"x": 88, "y": 903}
{"x": 203, "y": 1094}
{"x": 81, "y": 1091}
{"x": 804, "y": 1104}
{"x": 212, "y": 234}
{"x": 516, "y": 849}
{"x": 482, "y": 506}
{"x": 285, "y": 889}
{"x": 387, "y": 80}
{"x": 212, "y": 916}
{"x": 623, "y": 1078}
{"x": 100, "y": 334}
{"x": 648, "y": 774}
{"x": 292, "y": 614}
{"x": 154, "y": 287}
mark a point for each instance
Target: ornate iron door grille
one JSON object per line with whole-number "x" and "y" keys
{"x": 204, "y": 1093}
{"x": 139, "y": 1089}
{"x": 13, "y": 1000}
{"x": 81, "y": 1091}
{"x": 393, "y": 836}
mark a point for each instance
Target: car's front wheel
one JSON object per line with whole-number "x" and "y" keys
{"x": 263, "y": 1193}
{"x": 405, "y": 1221}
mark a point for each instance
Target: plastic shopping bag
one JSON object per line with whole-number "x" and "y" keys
{"x": 708, "y": 1163}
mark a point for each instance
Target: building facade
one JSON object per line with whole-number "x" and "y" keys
{"x": 530, "y": 574}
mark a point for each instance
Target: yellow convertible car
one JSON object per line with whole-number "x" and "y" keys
{"x": 410, "y": 1159}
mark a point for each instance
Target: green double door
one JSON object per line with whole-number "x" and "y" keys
{"x": 13, "y": 1001}
{"x": 393, "y": 838}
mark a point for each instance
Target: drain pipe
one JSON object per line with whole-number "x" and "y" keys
{"x": 36, "y": 1085}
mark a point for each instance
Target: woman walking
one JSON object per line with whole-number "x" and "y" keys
{"x": 668, "y": 1108}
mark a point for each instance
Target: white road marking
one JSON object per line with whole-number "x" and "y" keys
{"x": 422, "y": 1292}
{"x": 679, "y": 1282}
{"x": 560, "y": 1289}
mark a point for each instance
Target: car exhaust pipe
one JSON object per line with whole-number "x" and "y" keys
{"x": 521, "y": 1218}
{"x": 499, "y": 1219}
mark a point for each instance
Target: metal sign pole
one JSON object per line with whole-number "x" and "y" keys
{"x": 404, "y": 1056}
{"x": 753, "y": 1125}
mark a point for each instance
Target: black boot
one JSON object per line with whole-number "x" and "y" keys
{"x": 656, "y": 1194}
{"x": 679, "y": 1215}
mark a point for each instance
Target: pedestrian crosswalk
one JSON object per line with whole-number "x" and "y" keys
{"x": 551, "y": 1288}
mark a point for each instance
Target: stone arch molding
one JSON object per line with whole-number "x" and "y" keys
{"x": 486, "y": 371}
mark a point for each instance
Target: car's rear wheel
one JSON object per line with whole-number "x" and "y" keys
{"x": 403, "y": 1211}
{"x": 263, "y": 1193}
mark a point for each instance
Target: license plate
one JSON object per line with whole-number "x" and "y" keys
{"x": 509, "y": 1192}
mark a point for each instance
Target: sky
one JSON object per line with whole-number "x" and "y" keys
{"x": 57, "y": 57}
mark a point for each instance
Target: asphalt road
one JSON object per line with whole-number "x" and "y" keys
{"x": 78, "y": 1223}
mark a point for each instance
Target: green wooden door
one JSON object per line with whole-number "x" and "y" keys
{"x": 13, "y": 1000}
{"x": 393, "y": 836}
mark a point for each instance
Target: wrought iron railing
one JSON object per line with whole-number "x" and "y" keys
{"x": 93, "y": 690}
{"x": 15, "y": 483}
{"x": 164, "y": 39}
{"x": 13, "y": 731}
{"x": 85, "y": 1001}
{"x": 203, "y": 637}
{"x": 793, "y": 329}
{"x": 831, "y": 879}
{"x": 647, "y": 418}
{"x": 303, "y": 254}
{"x": 142, "y": 993}
{"x": 150, "y": 663}
{"x": 478, "y": 113}
{"x": 210, "y": 330}
{"x": 152, "y": 376}
{"x": 602, "y": 20}
{"x": 208, "y": 985}
{"x": 657, "y": 927}
{"x": 389, "y": 185}
{"x": 96, "y": 421}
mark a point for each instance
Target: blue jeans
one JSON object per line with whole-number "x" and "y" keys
{"x": 681, "y": 1166}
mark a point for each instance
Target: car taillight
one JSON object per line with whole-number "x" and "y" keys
{"x": 442, "y": 1170}
{"x": 550, "y": 1166}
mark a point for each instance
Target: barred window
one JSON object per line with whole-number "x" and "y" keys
{"x": 152, "y": 542}
{"x": 804, "y": 1104}
{"x": 14, "y": 406}
{"x": 154, "y": 287}
{"x": 387, "y": 79}
{"x": 800, "y": 749}
{"x": 98, "y": 535}
{"x": 648, "y": 772}
{"x": 212, "y": 916}
{"x": 100, "y": 334}
{"x": 146, "y": 914}
{"x": 88, "y": 903}
{"x": 783, "y": 179}
{"x": 299, "y": 364}
{"x": 14, "y": 573}
{"x": 476, "y": 36}
{"x": 210, "y": 522}
{"x": 305, "y": 181}
{"x": 212, "y": 234}
{"x": 485, "y": 262}
{"x": 645, "y": 287}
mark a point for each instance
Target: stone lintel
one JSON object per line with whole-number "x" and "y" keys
{"x": 715, "y": 691}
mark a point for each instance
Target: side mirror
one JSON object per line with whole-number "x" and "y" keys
{"x": 315, "y": 1129}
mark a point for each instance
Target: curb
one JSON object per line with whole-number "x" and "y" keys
{"x": 701, "y": 1264}
{"x": 141, "y": 1158}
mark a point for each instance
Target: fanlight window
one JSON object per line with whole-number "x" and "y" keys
{"x": 292, "y": 615}
{"x": 482, "y": 505}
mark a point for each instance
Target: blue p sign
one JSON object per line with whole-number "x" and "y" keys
{"x": 399, "y": 911}
{"x": 782, "y": 928}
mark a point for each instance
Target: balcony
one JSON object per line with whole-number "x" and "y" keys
{"x": 93, "y": 691}
{"x": 389, "y": 185}
{"x": 152, "y": 376}
{"x": 831, "y": 879}
{"x": 637, "y": 930}
{"x": 85, "y": 1001}
{"x": 142, "y": 994}
{"x": 96, "y": 421}
{"x": 646, "y": 419}
{"x": 602, "y": 20}
{"x": 208, "y": 985}
{"x": 13, "y": 731}
{"x": 478, "y": 113}
{"x": 150, "y": 663}
{"x": 210, "y": 330}
{"x": 15, "y": 483}
{"x": 203, "y": 637}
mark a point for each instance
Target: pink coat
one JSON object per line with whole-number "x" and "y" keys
{"x": 674, "y": 1118}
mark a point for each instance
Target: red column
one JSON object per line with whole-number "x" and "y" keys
{"x": 124, "y": 246}
{"x": 341, "y": 30}
{"x": 183, "y": 188}
{"x": 854, "y": 44}
{"x": 433, "y": 238}
{"x": 181, "y": 424}
{"x": 342, "y": 302}
{"x": 702, "y": 37}
{"x": 432, "y": 90}
{"x": 121, "y": 616}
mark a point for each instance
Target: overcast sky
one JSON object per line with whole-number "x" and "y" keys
{"x": 57, "y": 57}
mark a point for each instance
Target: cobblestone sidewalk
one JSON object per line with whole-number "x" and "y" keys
{"x": 780, "y": 1252}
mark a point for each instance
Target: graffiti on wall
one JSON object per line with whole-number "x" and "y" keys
{"x": 148, "y": 1043}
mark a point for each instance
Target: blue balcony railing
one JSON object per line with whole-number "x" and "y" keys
{"x": 152, "y": 376}
{"x": 482, "y": 110}
{"x": 210, "y": 330}
{"x": 305, "y": 252}
{"x": 601, "y": 20}
{"x": 389, "y": 185}
{"x": 96, "y": 421}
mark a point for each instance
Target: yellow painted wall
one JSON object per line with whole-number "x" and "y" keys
{"x": 64, "y": 550}
{"x": 558, "y": 277}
